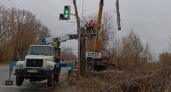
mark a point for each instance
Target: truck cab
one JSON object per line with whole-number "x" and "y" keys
{"x": 39, "y": 64}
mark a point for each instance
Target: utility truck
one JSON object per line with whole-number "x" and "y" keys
{"x": 41, "y": 63}
{"x": 103, "y": 62}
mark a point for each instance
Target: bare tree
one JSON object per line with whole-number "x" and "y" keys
{"x": 128, "y": 52}
{"x": 105, "y": 33}
{"x": 19, "y": 29}
{"x": 67, "y": 54}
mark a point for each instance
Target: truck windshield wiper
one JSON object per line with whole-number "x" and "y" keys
{"x": 44, "y": 53}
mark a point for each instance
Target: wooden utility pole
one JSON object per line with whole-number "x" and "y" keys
{"x": 82, "y": 57}
{"x": 81, "y": 45}
{"x": 118, "y": 14}
{"x": 78, "y": 31}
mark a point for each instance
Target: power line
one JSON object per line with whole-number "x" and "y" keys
{"x": 12, "y": 4}
{"x": 18, "y": 4}
{"x": 7, "y": 8}
{"x": 4, "y": 5}
{"x": 7, "y": 3}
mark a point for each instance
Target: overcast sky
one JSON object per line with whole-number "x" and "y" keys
{"x": 150, "y": 19}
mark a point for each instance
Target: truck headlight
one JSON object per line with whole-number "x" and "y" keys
{"x": 20, "y": 66}
{"x": 49, "y": 67}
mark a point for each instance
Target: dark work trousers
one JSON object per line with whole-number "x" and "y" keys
{"x": 88, "y": 29}
{"x": 57, "y": 51}
{"x": 92, "y": 29}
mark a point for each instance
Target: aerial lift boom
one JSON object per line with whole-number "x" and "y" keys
{"x": 99, "y": 65}
{"x": 96, "y": 43}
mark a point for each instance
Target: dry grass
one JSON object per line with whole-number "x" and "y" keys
{"x": 149, "y": 77}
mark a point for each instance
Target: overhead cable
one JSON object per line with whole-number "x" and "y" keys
{"x": 12, "y": 4}
{"x": 7, "y": 3}
{"x": 18, "y": 4}
{"x": 4, "y": 5}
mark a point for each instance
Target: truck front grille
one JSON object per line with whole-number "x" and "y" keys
{"x": 34, "y": 63}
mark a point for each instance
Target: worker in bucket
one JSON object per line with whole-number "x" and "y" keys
{"x": 91, "y": 25}
{"x": 55, "y": 43}
{"x": 56, "y": 46}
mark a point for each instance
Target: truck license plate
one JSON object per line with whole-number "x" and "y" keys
{"x": 32, "y": 71}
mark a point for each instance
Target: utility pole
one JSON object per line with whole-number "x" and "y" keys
{"x": 82, "y": 49}
{"x": 82, "y": 57}
{"x": 118, "y": 14}
{"x": 78, "y": 31}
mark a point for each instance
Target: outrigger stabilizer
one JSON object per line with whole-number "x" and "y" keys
{"x": 9, "y": 81}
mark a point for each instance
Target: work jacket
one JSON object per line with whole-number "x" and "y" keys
{"x": 91, "y": 24}
{"x": 55, "y": 44}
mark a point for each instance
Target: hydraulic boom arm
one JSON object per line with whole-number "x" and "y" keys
{"x": 96, "y": 44}
{"x": 60, "y": 38}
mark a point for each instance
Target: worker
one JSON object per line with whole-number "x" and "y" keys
{"x": 55, "y": 43}
{"x": 56, "y": 46}
{"x": 91, "y": 25}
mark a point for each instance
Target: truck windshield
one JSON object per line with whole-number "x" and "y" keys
{"x": 40, "y": 50}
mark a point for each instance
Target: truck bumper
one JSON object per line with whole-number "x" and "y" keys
{"x": 33, "y": 73}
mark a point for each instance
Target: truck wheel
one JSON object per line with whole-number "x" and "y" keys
{"x": 19, "y": 80}
{"x": 50, "y": 81}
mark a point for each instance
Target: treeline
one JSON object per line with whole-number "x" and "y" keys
{"x": 165, "y": 59}
{"x": 126, "y": 52}
{"x": 18, "y": 30}
{"x": 67, "y": 54}
{"x": 129, "y": 53}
